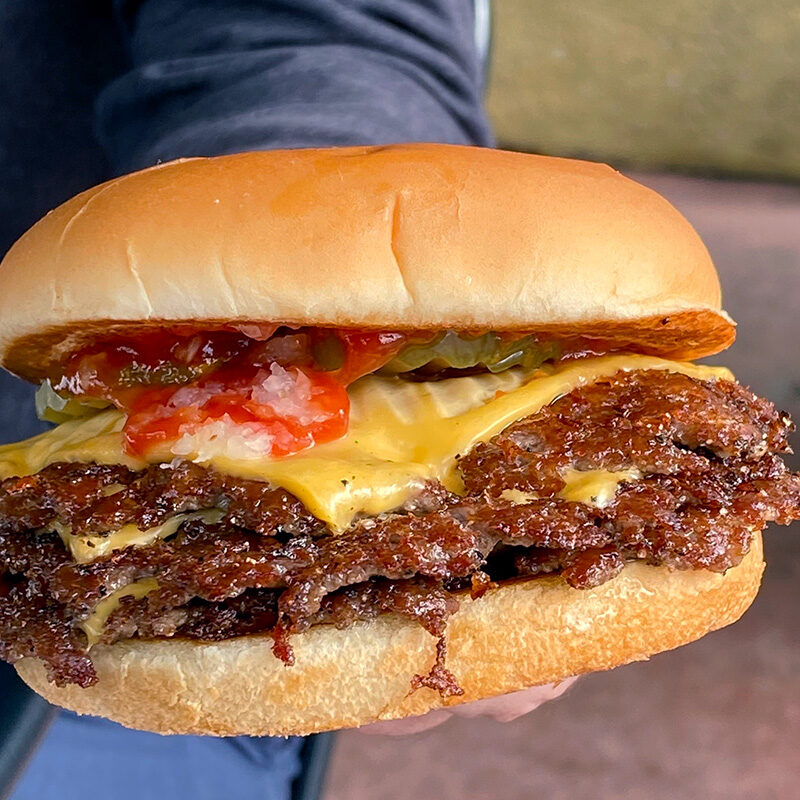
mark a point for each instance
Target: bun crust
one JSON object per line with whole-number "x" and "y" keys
{"x": 522, "y": 634}
{"x": 403, "y": 237}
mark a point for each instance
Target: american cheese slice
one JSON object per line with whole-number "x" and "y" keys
{"x": 88, "y": 548}
{"x": 93, "y": 625}
{"x": 593, "y": 487}
{"x": 401, "y": 435}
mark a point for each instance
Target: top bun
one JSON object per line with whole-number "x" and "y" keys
{"x": 399, "y": 237}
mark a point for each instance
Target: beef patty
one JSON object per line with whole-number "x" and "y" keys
{"x": 707, "y": 476}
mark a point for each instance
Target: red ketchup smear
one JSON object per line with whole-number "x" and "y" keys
{"x": 273, "y": 390}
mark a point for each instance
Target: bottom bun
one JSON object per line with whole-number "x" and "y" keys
{"x": 521, "y": 634}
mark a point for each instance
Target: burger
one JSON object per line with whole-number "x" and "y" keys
{"x": 351, "y": 434}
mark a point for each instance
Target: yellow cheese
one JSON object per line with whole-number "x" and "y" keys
{"x": 401, "y": 435}
{"x": 595, "y": 487}
{"x": 95, "y": 438}
{"x": 517, "y": 497}
{"x": 94, "y": 624}
{"x": 88, "y": 548}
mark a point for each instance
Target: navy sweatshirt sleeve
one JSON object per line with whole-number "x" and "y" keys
{"x": 216, "y": 77}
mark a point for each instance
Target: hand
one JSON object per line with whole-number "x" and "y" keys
{"x": 502, "y": 709}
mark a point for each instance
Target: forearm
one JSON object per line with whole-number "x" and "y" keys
{"x": 217, "y": 77}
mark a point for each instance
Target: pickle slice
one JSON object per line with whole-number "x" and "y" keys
{"x": 494, "y": 351}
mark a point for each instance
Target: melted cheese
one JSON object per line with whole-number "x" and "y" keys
{"x": 96, "y": 438}
{"x": 93, "y": 625}
{"x": 87, "y": 548}
{"x": 401, "y": 435}
{"x": 595, "y": 487}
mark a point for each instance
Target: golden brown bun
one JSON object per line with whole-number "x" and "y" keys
{"x": 520, "y": 635}
{"x": 407, "y": 236}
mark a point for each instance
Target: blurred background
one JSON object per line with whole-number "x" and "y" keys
{"x": 701, "y": 101}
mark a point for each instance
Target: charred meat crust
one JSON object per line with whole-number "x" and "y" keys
{"x": 711, "y": 477}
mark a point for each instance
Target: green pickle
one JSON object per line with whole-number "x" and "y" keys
{"x": 162, "y": 374}
{"x": 329, "y": 353}
{"x": 493, "y": 351}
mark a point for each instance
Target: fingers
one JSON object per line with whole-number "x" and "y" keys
{"x": 510, "y": 706}
{"x": 502, "y": 709}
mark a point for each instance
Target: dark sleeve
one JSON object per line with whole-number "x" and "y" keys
{"x": 222, "y": 76}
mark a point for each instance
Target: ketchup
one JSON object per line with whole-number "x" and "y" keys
{"x": 281, "y": 393}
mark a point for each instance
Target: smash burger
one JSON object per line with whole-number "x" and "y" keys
{"x": 353, "y": 434}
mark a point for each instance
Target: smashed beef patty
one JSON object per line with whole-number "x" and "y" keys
{"x": 705, "y": 451}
